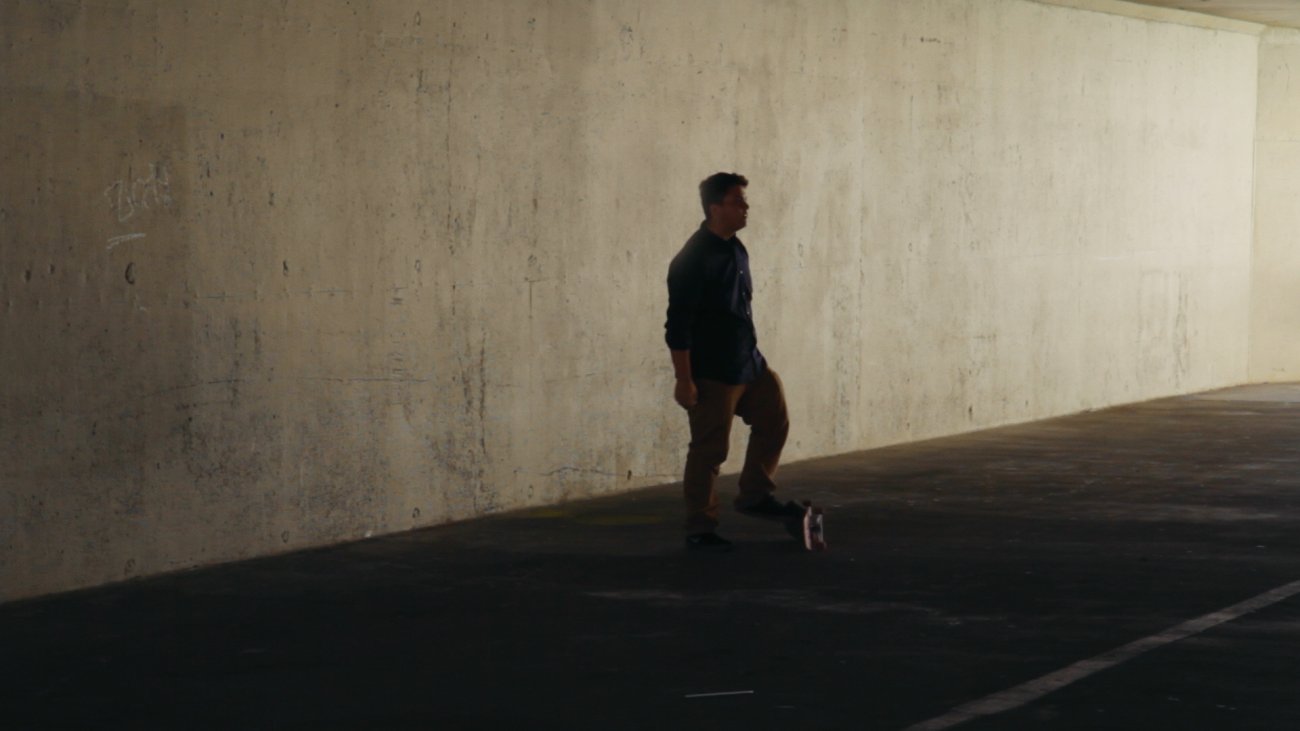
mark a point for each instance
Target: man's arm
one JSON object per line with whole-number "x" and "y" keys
{"x": 684, "y": 392}
{"x": 684, "y": 291}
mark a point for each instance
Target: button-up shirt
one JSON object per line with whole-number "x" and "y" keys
{"x": 709, "y": 295}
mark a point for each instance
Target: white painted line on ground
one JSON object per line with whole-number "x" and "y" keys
{"x": 715, "y": 695}
{"x": 1035, "y": 689}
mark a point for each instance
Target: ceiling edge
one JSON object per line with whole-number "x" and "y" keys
{"x": 1161, "y": 15}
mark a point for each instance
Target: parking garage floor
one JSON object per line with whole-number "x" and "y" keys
{"x": 1133, "y": 568}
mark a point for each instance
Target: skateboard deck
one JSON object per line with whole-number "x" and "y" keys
{"x": 810, "y": 528}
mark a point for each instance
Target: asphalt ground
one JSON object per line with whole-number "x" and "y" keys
{"x": 1133, "y": 568}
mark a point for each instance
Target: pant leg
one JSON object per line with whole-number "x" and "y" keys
{"x": 710, "y": 438}
{"x": 762, "y": 407}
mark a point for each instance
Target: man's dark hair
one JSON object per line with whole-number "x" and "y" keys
{"x": 714, "y": 188}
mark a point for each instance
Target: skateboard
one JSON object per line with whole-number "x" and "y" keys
{"x": 809, "y": 527}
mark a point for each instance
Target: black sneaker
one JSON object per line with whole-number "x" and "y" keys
{"x": 710, "y": 542}
{"x": 769, "y": 509}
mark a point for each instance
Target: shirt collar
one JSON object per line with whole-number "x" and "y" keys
{"x": 704, "y": 226}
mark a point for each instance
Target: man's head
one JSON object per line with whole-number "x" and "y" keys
{"x": 722, "y": 196}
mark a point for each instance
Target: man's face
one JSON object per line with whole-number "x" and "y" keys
{"x": 733, "y": 211}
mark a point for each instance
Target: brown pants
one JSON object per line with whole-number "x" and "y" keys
{"x": 761, "y": 405}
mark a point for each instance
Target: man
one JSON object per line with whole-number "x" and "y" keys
{"x": 720, "y": 372}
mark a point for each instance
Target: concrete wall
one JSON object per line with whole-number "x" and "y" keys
{"x": 1275, "y": 315}
{"x": 280, "y": 275}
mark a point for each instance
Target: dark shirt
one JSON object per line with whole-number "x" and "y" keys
{"x": 709, "y": 293}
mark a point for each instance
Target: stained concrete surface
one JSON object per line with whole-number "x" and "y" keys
{"x": 959, "y": 567}
{"x": 279, "y": 275}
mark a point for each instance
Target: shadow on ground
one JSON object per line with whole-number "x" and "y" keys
{"x": 959, "y": 567}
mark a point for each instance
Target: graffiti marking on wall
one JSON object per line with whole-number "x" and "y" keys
{"x": 123, "y": 239}
{"x": 126, "y": 198}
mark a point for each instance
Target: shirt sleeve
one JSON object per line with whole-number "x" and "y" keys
{"x": 685, "y": 286}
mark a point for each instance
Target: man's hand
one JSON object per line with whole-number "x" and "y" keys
{"x": 685, "y": 393}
